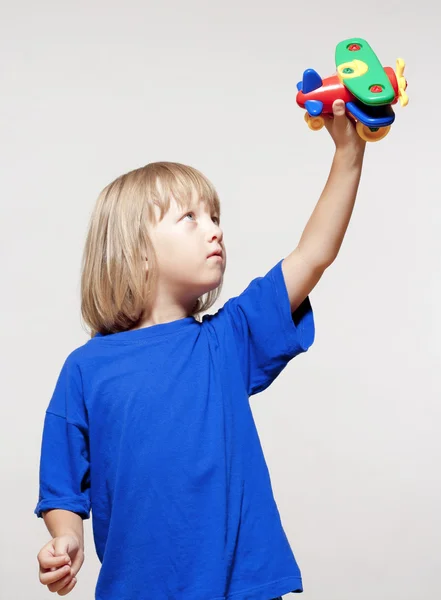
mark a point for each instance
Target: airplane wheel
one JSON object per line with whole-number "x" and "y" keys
{"x": 371, "y": 136}
{"x": 314, "y": 123}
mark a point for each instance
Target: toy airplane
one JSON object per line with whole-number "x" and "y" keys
{"x": 368, "y": 90}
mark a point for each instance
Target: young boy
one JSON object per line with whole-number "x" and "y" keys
{"x": 149, "y": 425}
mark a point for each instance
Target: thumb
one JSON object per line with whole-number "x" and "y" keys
{"x": 338, "y": 108}
{"x": 61, "y": 547}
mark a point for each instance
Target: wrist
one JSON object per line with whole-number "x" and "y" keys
{"x": 65, "y": 523}
{"x": 78, "y": 536}
{"x": 348, "y": 157}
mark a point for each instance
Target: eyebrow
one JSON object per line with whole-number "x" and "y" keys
{"x": 195, "y": 204}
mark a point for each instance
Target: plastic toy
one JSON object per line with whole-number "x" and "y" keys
{"x": 368, "y": 90}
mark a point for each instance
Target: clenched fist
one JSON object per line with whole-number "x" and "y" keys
{"x": 59, "y": 561}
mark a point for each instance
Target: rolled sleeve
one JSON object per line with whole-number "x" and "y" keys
{"x": 64, "y": 480}
{"x": 64, "y": 468}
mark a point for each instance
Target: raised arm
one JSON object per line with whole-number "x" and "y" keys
{"x": 323, "y": 235}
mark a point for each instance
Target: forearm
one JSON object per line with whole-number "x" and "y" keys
{"x": 64, "y": 522}
{"x": 323, "y": 235}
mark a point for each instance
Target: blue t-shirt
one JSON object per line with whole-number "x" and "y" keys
{"x": 152, "y": 430}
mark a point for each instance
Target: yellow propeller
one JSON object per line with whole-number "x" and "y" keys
{"x": 402, "y": 83}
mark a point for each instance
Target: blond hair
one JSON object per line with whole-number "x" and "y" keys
{"x": 115, "y": 292}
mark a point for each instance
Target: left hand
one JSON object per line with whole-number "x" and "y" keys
{"x": 342, "y": 130}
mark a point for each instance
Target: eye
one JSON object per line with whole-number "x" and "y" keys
{"x": 215, "y": 220}
{"x": 190, "y": 214}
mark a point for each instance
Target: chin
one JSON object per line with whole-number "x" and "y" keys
{"x": 212, "y": 284}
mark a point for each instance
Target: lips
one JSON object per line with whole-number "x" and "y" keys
{"x": 217, "y": 252}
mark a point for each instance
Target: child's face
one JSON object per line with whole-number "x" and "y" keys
{"x": 184, "y": 242}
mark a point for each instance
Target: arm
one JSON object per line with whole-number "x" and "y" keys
{"x": 64, "y": 522}
{"x": 323, "y": 235}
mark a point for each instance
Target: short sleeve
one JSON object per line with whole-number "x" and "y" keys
{"x": 64, "y": 461}
{"x": 266, "y": 333}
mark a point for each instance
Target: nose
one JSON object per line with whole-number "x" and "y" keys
{"x": 215, "y": 233}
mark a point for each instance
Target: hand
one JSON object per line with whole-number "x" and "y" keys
{"x": 342, "y": 130}
{"x": 60, "y": 560}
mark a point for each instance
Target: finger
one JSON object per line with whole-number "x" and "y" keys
{"x": 76, "y": 565}
{"x": 77, "y": 561}
{"x": 329, "y": 119}
{"x": 50, "y": 577}
{"x": 338, "y": 108}
{"x": 59, "y": 585}
{"x": 48, "y": 561}
{"x": 68, "y": 588}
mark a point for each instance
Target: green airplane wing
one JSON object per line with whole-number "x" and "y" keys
{"x": 362, "y": 73}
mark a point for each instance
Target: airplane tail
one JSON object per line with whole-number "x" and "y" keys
{"x": 310, "y": 82}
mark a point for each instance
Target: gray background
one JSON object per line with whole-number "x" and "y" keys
{"x": 351, "y": 429}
